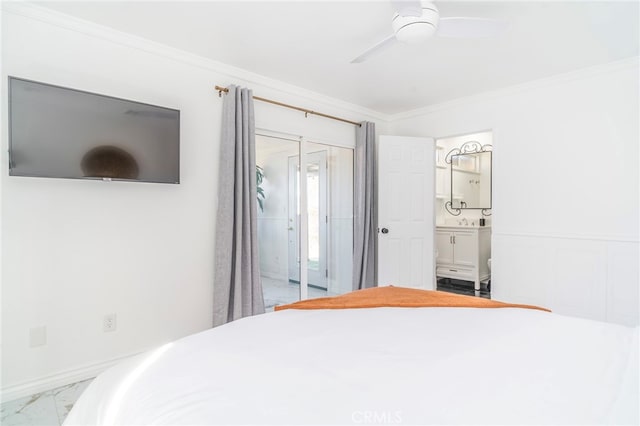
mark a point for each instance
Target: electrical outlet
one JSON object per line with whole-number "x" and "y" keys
{"x": 109, "y": 323}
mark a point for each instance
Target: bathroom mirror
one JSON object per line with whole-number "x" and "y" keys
{"x": 470, "y": 177}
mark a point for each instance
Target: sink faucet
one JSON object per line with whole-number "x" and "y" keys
{"x": 466, "y": 222}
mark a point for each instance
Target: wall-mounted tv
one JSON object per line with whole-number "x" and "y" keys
{"x": 59, "y": 132}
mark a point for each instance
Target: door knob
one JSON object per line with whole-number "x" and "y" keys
{"x": 385, "y": 231}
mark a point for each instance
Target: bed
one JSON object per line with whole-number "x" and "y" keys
{"x": 379, "y": 365}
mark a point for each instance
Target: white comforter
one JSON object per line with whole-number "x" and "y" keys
{"x": 378, "y": 366}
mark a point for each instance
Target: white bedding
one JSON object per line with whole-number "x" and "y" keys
{"x": 378, "y": 366}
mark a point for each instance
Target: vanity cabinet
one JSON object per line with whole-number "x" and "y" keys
{"x": 462, "y": 253}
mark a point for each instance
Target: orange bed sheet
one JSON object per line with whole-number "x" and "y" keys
{"x": 402, "y": 297}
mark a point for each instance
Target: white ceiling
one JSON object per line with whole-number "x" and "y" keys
{"x": 310, "y": 43}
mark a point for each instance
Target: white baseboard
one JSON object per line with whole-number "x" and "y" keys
{"x": 52, "y": 381}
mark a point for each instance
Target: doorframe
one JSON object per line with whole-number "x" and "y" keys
{"x": 495, "y": 132}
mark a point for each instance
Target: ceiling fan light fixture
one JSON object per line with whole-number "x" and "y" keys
{"x": 414, "y": 29}
{"x": 415, "y": 32}
{"x": 409, "y": 28}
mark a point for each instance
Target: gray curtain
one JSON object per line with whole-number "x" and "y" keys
{"x": 364, "y": 223}
{"x": 237, "y": 289}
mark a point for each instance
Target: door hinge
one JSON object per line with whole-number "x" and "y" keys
{"x": 326, "y": 273}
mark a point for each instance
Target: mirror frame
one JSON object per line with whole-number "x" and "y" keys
{"x": 471, "y": 147}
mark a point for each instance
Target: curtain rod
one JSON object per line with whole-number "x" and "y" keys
{"x": 306, "y": 111}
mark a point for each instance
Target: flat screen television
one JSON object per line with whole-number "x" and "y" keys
{"x": 59, "y": 132}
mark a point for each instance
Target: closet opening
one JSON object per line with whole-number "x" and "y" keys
{"x": 305, "y": 218}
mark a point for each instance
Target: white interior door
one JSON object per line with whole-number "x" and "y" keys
{"x": 406, "y": 222}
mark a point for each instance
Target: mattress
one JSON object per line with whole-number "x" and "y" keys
{"x": 378, "y": 366}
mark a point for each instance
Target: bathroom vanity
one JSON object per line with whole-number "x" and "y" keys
{"x": 463, "y": 252}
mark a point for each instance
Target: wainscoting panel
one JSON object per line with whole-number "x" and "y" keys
{"x": 623, "y": 298}
{"x": 520, "y": 271}
{"x": 588, "y": 278}
{"x": 579, "y": 281}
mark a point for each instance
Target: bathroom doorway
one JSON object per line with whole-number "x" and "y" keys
{"x": 464, "y": 180}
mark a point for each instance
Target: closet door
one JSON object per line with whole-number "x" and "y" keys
{"x": 406, "y": 186}
{"x": 305, "y": 218}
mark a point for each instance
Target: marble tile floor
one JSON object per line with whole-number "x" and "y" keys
{"x": 48, "y": 408}
{"x": 281, "y": 292}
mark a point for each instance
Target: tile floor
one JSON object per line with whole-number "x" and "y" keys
{"x": 462, "y": 287}
{"x": 48, "y": 408}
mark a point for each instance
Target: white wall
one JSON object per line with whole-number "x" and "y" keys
{"x": 565, "y": 187}
{"x": 75, "y": 250}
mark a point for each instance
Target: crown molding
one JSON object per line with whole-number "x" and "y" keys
{"x": 558, "y": 79}
{"x": 234, "y": 74}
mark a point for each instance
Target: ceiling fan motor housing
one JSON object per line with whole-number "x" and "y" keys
{"x": 414, "y": 29}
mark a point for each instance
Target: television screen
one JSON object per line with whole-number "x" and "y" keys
{"x": 66, "y": 133}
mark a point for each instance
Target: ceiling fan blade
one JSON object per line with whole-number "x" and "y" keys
{"x": 471, "y": 27}
{"x": 408, "y": 7}
{"x": 375, "y": 49}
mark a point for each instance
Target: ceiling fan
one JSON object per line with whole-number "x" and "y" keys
{"x": 416, "y": 21}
